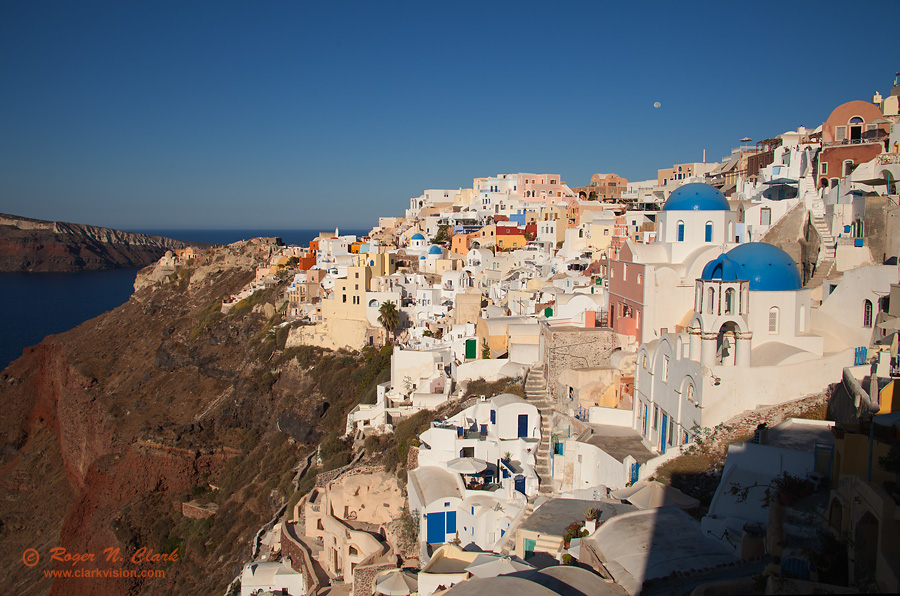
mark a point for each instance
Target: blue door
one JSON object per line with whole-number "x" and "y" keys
{"x": 436, "y": 527}
{"x": 520, "y": 483}
{"x": 635, "y": 472}
{"x": 662, "y": 433}
{"x": 451, "y": 522}
{"x": 523, "y": 425}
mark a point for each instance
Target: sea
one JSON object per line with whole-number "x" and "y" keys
{"x": 34, "y": 305}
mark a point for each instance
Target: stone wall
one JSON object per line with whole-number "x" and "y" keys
{"x": 364, "y": 578}
{"x": 573, "y": 347}
{"x": 874, "y": 227}
{"x": 196, "y": 510}
{"x": 892, "y": 231}
{"x": 301, "y": 558}
{"x": 412, "y": 458}
{"x": 324, "y": 478}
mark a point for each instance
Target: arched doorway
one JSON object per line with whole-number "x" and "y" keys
{"x": 836, "y": 515}
{"x": 725, "y": 344}
{"x": 865, "y": 547}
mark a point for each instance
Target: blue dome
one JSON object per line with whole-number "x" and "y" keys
{"x": 435, "y": 250}
{"x": 766, "y": 267}
{"x": 696, "y": 196}
{"x": 418, "y": 237}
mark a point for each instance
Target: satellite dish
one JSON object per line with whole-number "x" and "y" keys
{"x": 657, "y": 105}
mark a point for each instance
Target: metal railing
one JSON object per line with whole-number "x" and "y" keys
{"x": 863, "y": 141}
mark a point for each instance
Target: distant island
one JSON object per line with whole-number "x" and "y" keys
{"x": 36, "y": 245}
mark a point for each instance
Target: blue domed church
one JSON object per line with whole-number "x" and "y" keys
{"x": 696, "y": 212}
{"x": 747, "y": 297}
{"x": 748, "y": 343}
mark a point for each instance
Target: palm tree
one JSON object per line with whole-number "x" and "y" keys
{"x": 389, "y": 317}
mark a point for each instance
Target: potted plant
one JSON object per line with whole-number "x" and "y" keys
{"x": 591, "y": 515}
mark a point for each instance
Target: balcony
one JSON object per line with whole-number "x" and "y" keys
{"x": 863, "y": 141}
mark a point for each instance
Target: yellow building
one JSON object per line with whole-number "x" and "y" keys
{"x": 865, "y": 504}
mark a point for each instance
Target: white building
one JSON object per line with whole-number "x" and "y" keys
{"x": 503, "y": 433}
{"x": 749, "y": 344}
{"x": 276, "y": 578}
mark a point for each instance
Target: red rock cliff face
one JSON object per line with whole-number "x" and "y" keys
{"x": 106, "y": 428}
{"x": 74, "y": 473}
{"x": 35, "y": 245}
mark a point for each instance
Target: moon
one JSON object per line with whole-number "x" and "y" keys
{"x": 657, "y": 105}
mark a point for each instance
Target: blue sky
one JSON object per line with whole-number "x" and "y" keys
{"x": 156, "y": 114}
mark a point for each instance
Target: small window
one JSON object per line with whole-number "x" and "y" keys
{"x": 709, "y": 231}
{"x": 671, "y": 431}
{"x": 848, "y": 167}
{"x": 655, "y": 417}
{"x": 867, "y": 313}
{"x": 665, "y": 370}
{"x": 824, "y": 166}
{"x": 765, "y": 216}
{"x": 680, "y": 231}
{"x": 840, "y": 133}
{"x": 644, "y": 362}
{"x": 773, "y": 320}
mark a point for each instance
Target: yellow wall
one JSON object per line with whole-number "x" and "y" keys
{"x": 886, "y": 398}
{"x": 511, "y": 241}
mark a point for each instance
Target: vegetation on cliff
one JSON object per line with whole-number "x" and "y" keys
{"x": 110, "y": 427}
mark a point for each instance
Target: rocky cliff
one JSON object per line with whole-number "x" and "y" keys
{"x": 35, "y": 245}
{"x": 106, "y": 429}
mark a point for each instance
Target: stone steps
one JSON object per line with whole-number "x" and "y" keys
{"x": 536, "y": 393}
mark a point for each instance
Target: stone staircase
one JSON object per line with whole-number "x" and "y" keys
{"x": 825, "y": 262}
{"x": 537, "y": 394}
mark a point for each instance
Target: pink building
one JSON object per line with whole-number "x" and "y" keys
{"x": 542, "y": 187}
{"x": 626, "y": 294}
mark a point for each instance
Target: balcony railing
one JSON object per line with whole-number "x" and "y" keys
{"x": 863, "y": 141}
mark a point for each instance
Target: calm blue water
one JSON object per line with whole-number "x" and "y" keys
{"x": 34, "y": 305}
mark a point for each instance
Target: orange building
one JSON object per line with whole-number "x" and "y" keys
{"x": 852, "y": 135}
{"x": 605, "y": 187}
{"x": 461, "y": 243}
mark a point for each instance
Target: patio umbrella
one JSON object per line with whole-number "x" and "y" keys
{"x": 467, "y": 465}
{"x": 652, "y": 494}
{"x": 780, "y": 181}
{"x": 396, "y": 582}
{"x": 746, "y": 140}
{"x": 491, "y": 565}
